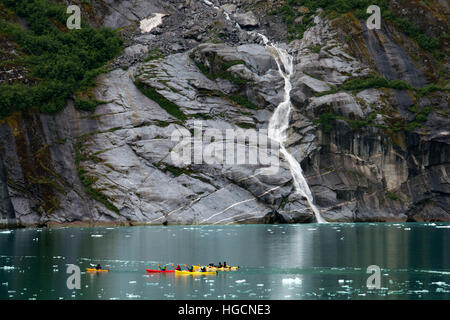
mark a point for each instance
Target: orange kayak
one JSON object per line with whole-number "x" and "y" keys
{"x": 96, "y": 270}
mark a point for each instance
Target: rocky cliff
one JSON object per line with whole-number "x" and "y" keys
{"x": 370, "y": 121}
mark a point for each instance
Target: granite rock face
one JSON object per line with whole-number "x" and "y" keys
{"x": 209, "y": 73}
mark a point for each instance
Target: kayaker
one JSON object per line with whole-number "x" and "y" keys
{"x": 191, "y": 269}
{"x": 204, "y": 269}
{"x": 98, "y": 267}
{"x": 178, "y": 268}
{"x": 220, "y": 265}
{"x": 225, "y": 264}
{"x": 163, "y": 268}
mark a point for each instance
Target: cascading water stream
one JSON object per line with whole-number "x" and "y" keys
{"x": 279, "y": 122}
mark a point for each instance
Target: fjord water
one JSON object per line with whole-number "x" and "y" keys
{"x": 311, "y": 261}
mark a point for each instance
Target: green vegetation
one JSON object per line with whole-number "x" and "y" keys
{"x": 226, "y": 65}
{"x": 429, "y": 89}
{"x": 412, "y": 31}
{"x": 202, "y": 116}
{"x": 339, "y": 6}
{"x": 359, "y": 124}
{"x": 393, "y": 196}
{"x": 315, "y": 49}
{"x": 222, "y": 74}
{"x": 167, "y": 105}
{"x": 175, "y": 170}
{"x": 327, "y": 121}
{"x": 161, "y": 123}
{"x": 87, "y": 104}
{"x": 419, "y": 120}
{"x": 298, "y": 22}
{"x": 242, "y": 101}
{"x": 245, "y": 125}
{"x": 154, "y": 54}
{"x": 62, "y": 62}
{"x": 165, "y": 167}
{"x": 375, "y": 81}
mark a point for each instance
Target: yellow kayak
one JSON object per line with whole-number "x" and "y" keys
{"x": 222, "y": 269}
{"x": 217, "y": 269}
{"x": 96, "y": 270}
{"x": 185, "y": 272}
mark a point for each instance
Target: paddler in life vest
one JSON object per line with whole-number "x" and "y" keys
{"x": 178, "y": 268}
{"x": 220, "y": 265}
{"x": 163, "y": 268}
{"x": 98, "y": 267}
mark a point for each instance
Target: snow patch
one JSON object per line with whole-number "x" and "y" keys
{"x": 149, "y": 24}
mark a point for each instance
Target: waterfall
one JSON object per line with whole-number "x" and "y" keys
{"x": 279, "y": 122}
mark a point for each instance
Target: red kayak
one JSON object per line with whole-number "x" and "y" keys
{"x": 159, "y": 271}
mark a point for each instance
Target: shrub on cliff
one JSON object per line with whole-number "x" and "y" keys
{"x": 61, "y": 61}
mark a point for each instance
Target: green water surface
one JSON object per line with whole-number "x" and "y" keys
{"x": 309, "y": 261}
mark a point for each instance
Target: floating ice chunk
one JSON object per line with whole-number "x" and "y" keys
{"x": 421, "y": 291}
{"x": 292, "y": 281}
{"x": 132, "y": 282}
{"x": 240, "y": 281}
{"x": 8, "y": 268}
{"x": 96, "y": 235}
{"x": 440, "y": 283}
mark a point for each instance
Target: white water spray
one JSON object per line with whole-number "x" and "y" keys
{"x": 279, "y": 122}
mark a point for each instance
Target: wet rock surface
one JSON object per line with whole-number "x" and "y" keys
{"x": 198, "y": 68}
